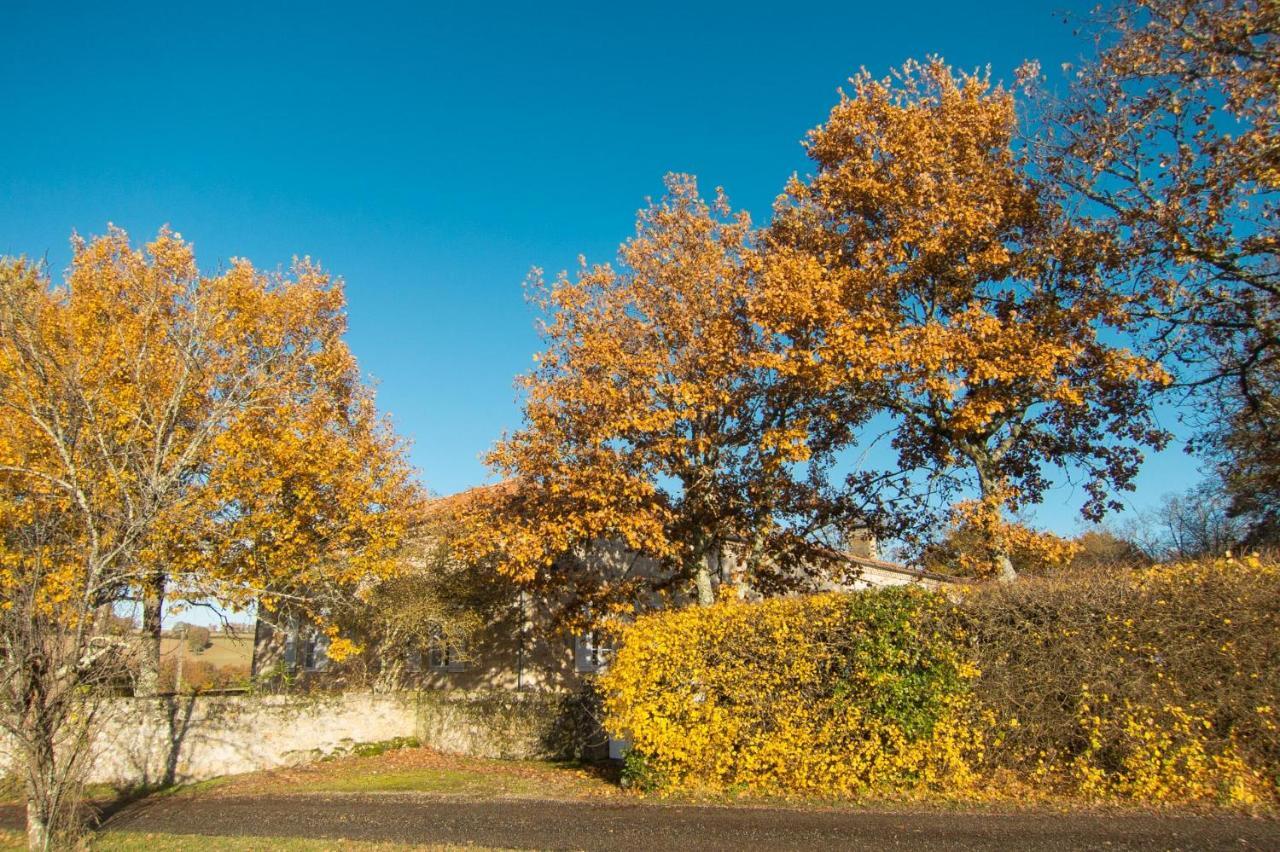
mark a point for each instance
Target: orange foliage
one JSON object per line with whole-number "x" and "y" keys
{"x": 651, "y": 421}
{"x": 213, "y": 428}
{"x": 921, "y": 271}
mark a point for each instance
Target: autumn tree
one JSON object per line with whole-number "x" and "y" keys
{"x": 967, "y": 550}
{"x": 923, "y": 271}
{"x": 1104, "y": 550}
{"x": 197, "y": 639}
{"x": 297, "y": 494}
{"x": 651, "y": 425}
{"x": 1170, "y": 139}
{"x": 1244, "y": 448}
{"x": 167, "y": 431}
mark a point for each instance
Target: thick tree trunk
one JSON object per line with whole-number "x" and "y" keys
{"x": 986, "y": 484}
{"x": 702, "y": 580}
{"x": 1005, "y": 567}
{"x": 148, "y": 683}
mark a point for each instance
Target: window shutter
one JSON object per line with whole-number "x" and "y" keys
{"x": 320, "y": 652}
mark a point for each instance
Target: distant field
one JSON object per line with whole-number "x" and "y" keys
{"x": 224, "y": 650}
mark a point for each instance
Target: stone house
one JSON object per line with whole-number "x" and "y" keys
{"x": 518, "y": 649}
{"x": 520, "y": 652}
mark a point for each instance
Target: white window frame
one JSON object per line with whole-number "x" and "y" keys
{"x": 590, "y": 654}
{"x": 313, "y": 644}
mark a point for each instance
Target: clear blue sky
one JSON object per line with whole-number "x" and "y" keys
{"x": 430, "y": 156}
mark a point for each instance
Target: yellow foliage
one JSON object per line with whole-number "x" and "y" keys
{"x": 1063, "y": 687}
{"x": 208, "y": 434}
{"x": 922, "y": 267}
{"x": 823, "y": 695}
{"x": 341, "y": 649}
{"x": 1158, "y": 754}
{"x": 654, "y": 417}
{"x": 980, "y": 533}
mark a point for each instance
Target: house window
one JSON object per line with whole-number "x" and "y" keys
{"x": 311, "y": 652}
{"x": 446, "y": 655}
{"x": 307, "y": 659}
{"x": 591, "y": 651}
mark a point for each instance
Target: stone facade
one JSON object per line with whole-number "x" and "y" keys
{"x": 156, "y": 742}
{"x": 521, "y": 652}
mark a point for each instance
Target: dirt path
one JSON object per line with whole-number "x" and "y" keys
{"x": 531, "y": 824}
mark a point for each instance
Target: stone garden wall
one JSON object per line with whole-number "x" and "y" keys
{"x": 192, "y": 738}
{"x": 512, "y": 725}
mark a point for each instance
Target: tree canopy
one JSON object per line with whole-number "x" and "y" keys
{"x": 922, "y": 271}
{"x": 163, "y": 430}
{"x": 653, "y": 419}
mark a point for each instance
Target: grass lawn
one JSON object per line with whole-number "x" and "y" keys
{"x": 408, "y": 770}
{"x": 223, "y": 650}
{"x": 420, "y": 770}
{"x": 130, "y": 841}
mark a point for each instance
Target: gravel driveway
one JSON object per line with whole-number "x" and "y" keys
{"x": 530, "y": 824}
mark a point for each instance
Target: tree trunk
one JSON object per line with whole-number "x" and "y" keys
{"x": 733, "y": 570}
{"x": 986, "y": 484}
{"x": 148, "y": 683}
{"x": 37, "y": 827}
{"x": 1005, "y": 565}
{"x": 42, "y": 770}
{"x": 702, "y": 579}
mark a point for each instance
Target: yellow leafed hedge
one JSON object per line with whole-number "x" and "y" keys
{"x": 1157, "y": 686}
{"x": 831, "y": 694}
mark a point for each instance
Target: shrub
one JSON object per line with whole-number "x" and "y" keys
{"x": 198, "y": 638}
{"x": 638, "y": 773}
{"x": 1156, "y": 685}
{"x": 830, "y": 694}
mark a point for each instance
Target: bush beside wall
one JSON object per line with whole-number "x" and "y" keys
{"x": 1153, "y": 686}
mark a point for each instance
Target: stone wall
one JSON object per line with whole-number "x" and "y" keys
{"x": 164, "y": 741}
{"x": 512, "y": 725}
{"x": 182, "y": 739}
